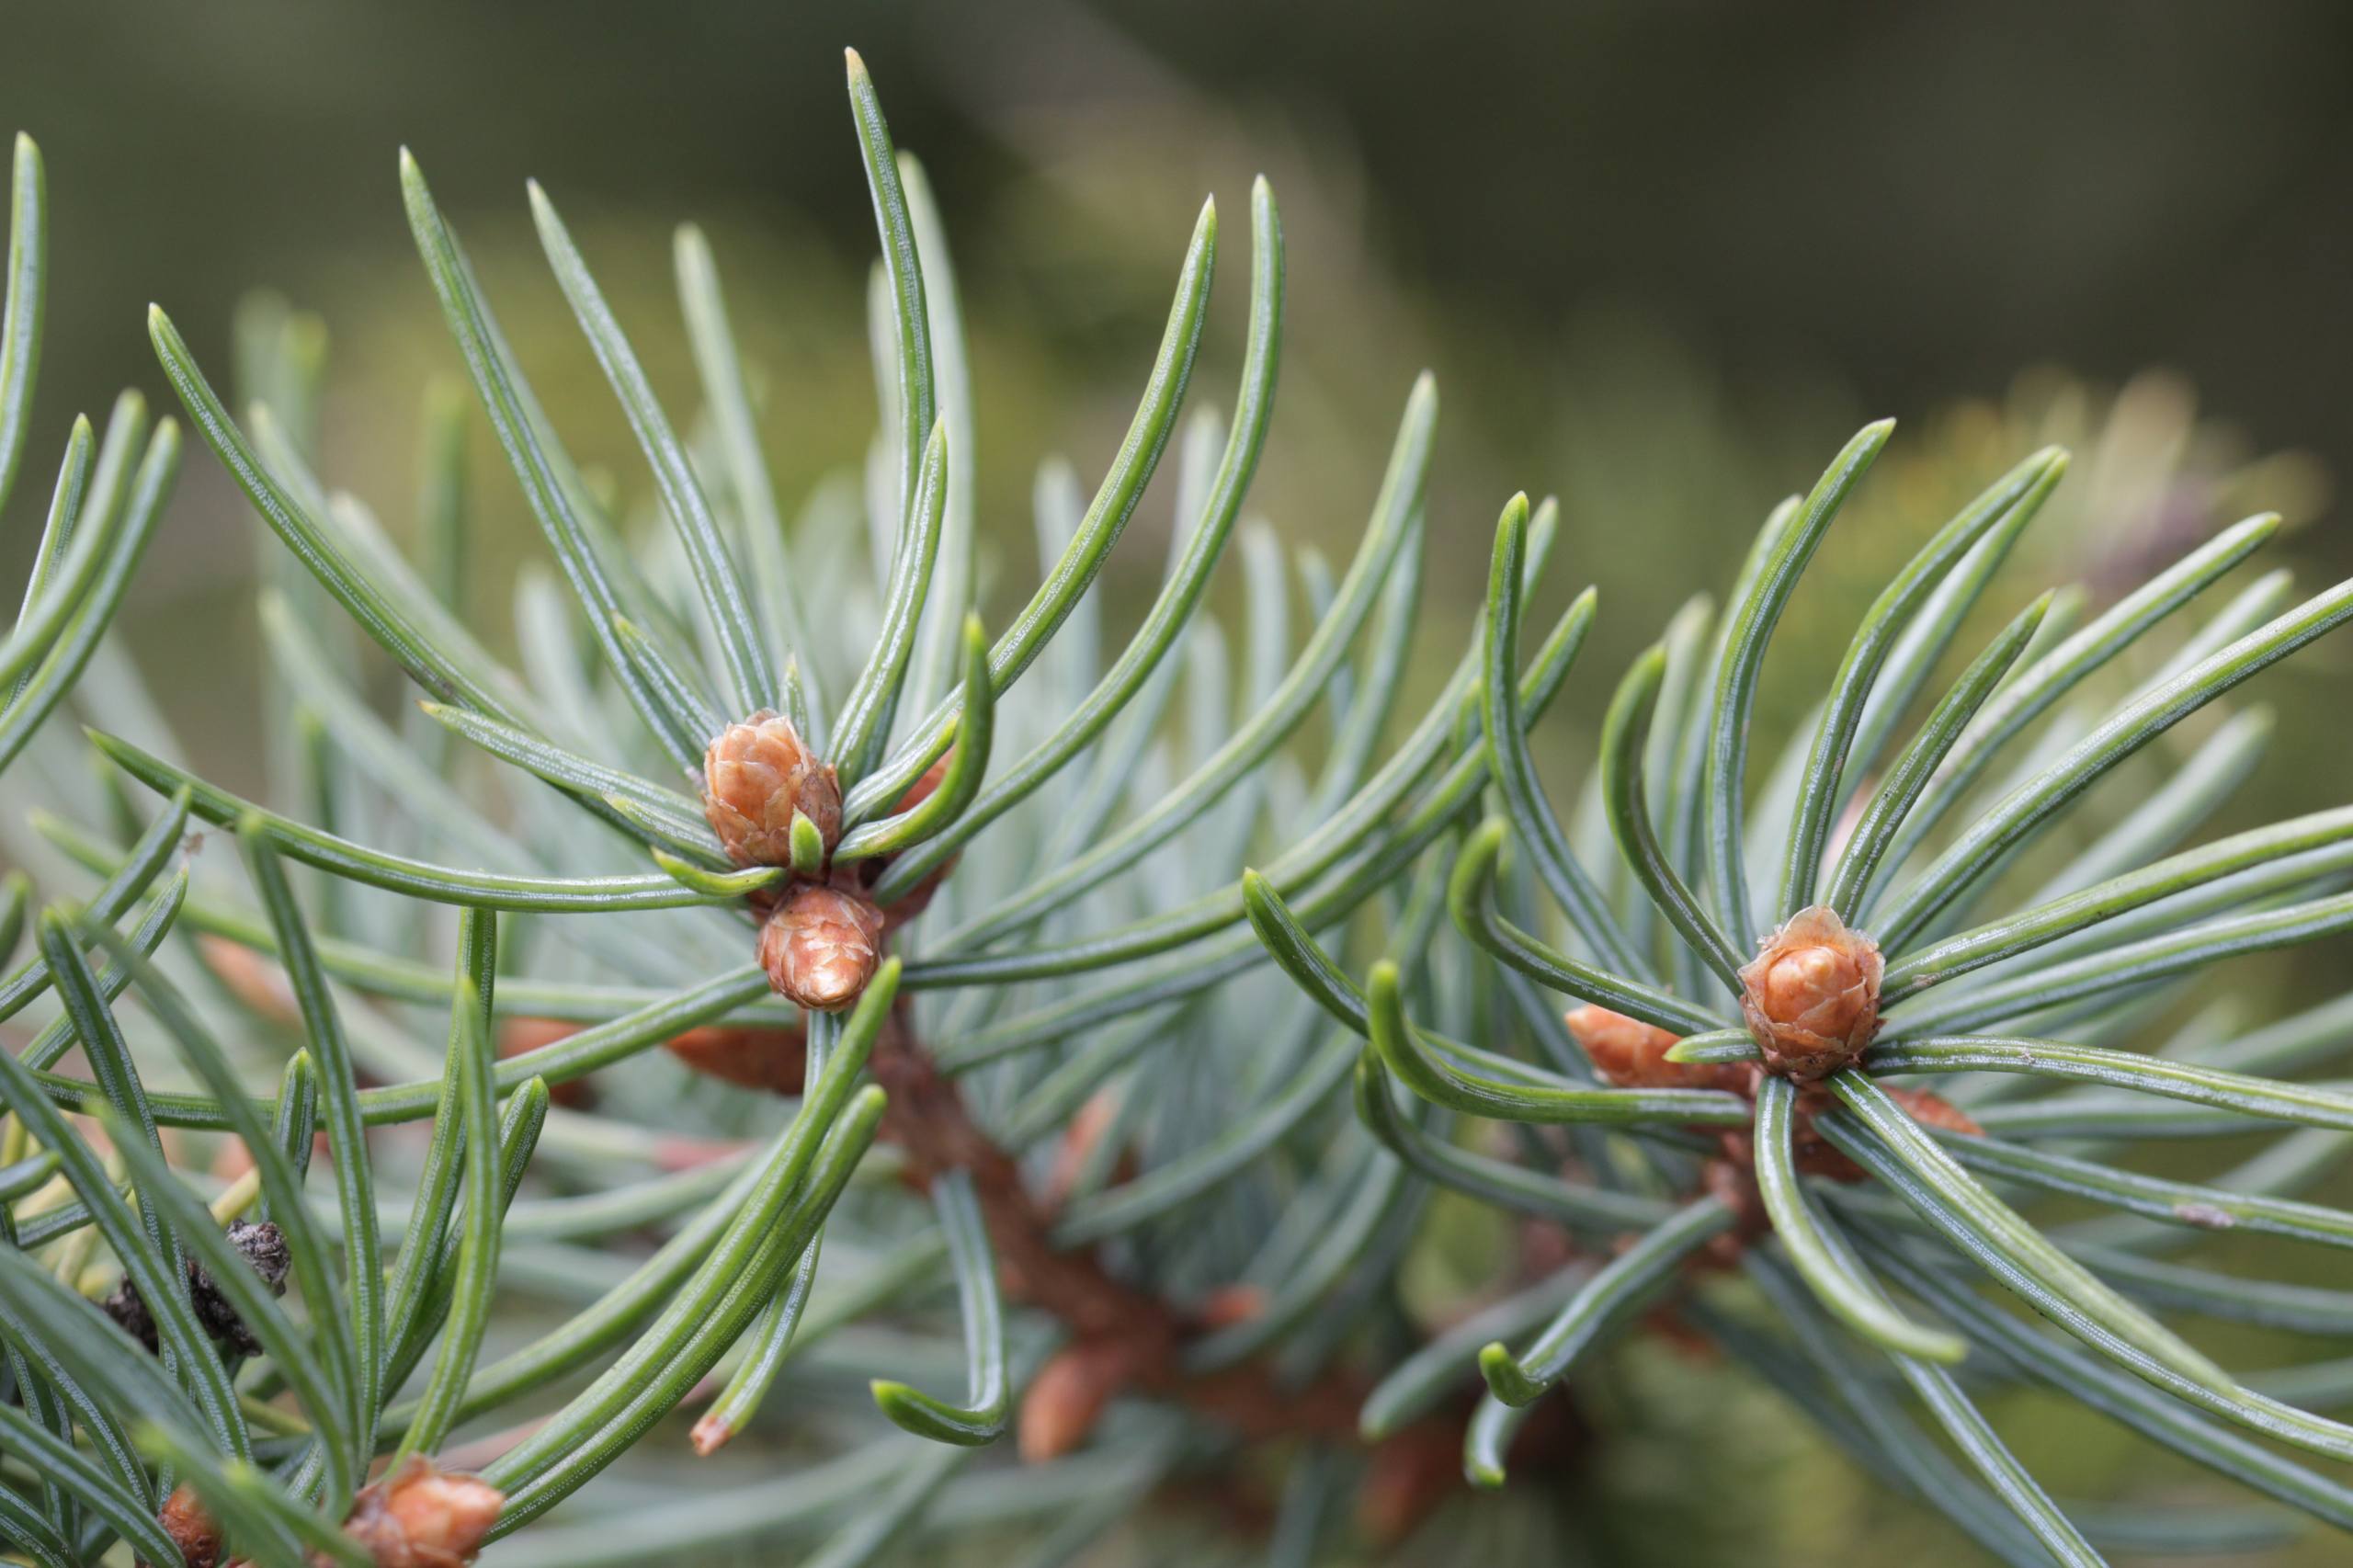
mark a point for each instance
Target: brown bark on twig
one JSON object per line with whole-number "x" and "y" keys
{"x": 1125, "y": 1338}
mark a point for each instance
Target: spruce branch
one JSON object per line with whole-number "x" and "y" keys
{"x": 793, "y": 977}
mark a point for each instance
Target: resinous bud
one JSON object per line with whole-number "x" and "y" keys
{"x": 1632, "y": 1054}
{"x": 821, "y": 946}
{"x": 755, "y": 776}
{"x": 423, "y": 1516}
{"x": 1811, "y": 995}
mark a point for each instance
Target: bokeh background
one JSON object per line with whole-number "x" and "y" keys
{"x": 1663, "y": 257}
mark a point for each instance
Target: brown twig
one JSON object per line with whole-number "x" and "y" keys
{"x": 1123, "y": 1337}
{"x": 820, "y": 945}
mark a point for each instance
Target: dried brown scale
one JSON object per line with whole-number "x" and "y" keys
{"x": 1811, "y": 995}
{"x": 711, "y": 1434}
{"x": 263, "y": 1247}
{"x": 757, "y": 775}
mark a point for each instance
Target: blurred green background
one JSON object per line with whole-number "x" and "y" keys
{"x": 1663, "y": 257}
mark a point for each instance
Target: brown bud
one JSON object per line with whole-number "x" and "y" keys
{"x": 755, "y": 776}
{"x": 1731, "y": 1179}
{"x": 1817, "y": 1156}
{"x": 191, "y": 1528}
{"x": 1665, "y": 1319}
{"x": 1632, "y": 1054}
{"x": 820, "y": 947}
{"x": 866, "y": 872}
{"x": 1067, "y": 1396}
{"x": 774, "y": 1058}
{"x": 1811, "y": 995}
{"x": 1407, "y": 1479}
{"x": 421, "y": 1516}
{"x": 926, "y": 783}
{"x": 674, "y": 1152}
{"x": 1230, "y": 1305}
{"x": 1810, "y": 1152}
{"x": 1077, "y": 1147}
{"x": 519, "y": 1035}
{"x": 1934, "y": 1110}
{"x": 1543, "y": 1247}
{"x": 1813, "y": 1153}
{"x": 253, "y": 980}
